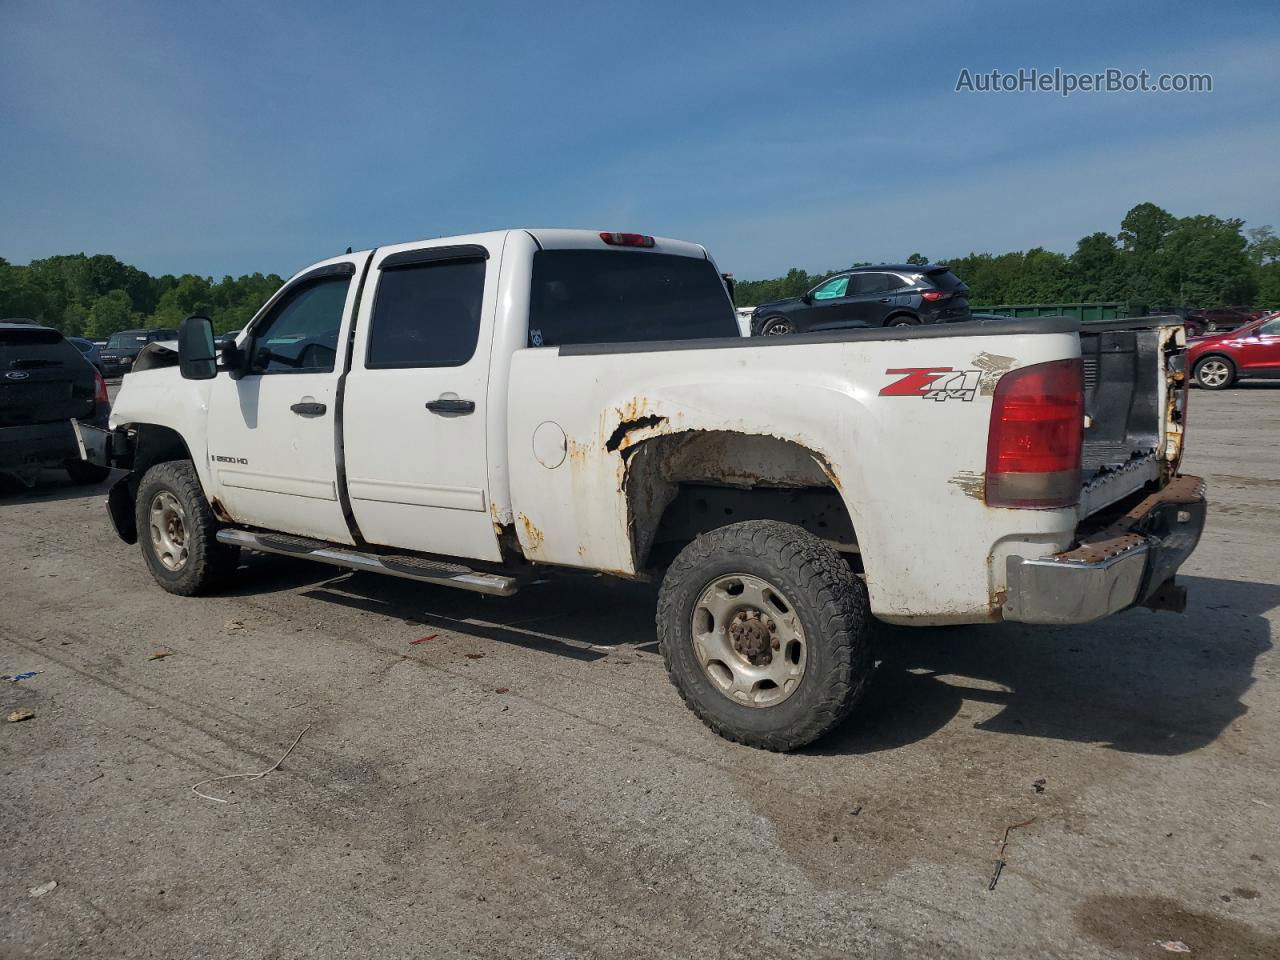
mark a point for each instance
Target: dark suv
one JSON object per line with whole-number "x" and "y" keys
{"x": 896, "y": 295}
{"x": 123, "y": 348}
{"x": 45, "y": 383}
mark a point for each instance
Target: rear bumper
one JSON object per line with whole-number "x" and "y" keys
{"x": 37, "y": 444}
{"x": 1127, "y": 564}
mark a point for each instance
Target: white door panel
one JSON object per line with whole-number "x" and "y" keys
{"x": 415, "y": 402}
{"x": 271, "y": 432}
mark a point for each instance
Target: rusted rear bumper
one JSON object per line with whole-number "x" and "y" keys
{"x": 1131, "y": 562}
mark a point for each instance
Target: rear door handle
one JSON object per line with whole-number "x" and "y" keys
{"x": 451, "y": 405}
{"x": 886, "y": 299}
{"x": 309, "y": 409}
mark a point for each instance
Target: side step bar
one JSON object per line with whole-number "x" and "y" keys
{"x": 407, "y": 567}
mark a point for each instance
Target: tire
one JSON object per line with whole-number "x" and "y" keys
{"x": 902, "y": 320}
{"x": 777, "y": 327}
{"x": 817, "y": 593}
{"x": 83, "y": 473}
{"x": 181, "y": 547}
{"x": 1215, "y": 372}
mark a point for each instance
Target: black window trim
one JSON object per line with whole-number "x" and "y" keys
{"x": 460, "y": 253}
{"x": 268, "y": 312}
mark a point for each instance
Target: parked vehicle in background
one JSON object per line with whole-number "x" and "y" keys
{"x": 464, "y": 410}
{"x": 885, "y": 296}
{"x": 89, "y": 350}
{"x": 122, "y": 348}
{"x": 45, "y": 383}
{"x": 1218, "y": 360}
{"x": 1219, "y": 318}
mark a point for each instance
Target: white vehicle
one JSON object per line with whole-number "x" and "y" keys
{"x": 462, "y": 411}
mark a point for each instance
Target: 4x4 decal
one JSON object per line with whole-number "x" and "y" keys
{"x": 933, "y": 383}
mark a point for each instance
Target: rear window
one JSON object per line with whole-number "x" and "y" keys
{"x": 611, "y": 296}
{"x": 34, "y": 349}
{"x": 126, "y": 340}
{"x": 944, "y": 280}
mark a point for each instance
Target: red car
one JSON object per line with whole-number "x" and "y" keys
{"x": 1220, "y": 359}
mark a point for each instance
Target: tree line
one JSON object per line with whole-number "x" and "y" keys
{"x": 1155, "y": 260}
{"x": 94, "y": 296}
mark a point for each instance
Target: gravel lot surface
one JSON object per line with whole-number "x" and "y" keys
{"x": 525, "y": 783}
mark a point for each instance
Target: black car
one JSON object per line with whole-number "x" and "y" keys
{"x": 45, "y": 383}
{"x": 893, "y": 295}
{"x": 123, "y": 348}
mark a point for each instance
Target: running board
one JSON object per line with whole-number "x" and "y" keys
{"x": 406, "y": 567}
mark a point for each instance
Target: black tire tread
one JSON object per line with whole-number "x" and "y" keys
{"x": 840, "y": 607}
{"x": 210, "y": 564}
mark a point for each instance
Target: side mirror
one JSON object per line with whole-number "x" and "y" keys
{"x": 807, "y": 298}
{"x": 196, "y": 358}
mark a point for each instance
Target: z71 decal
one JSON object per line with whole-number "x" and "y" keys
{"x": 933, "y": 383}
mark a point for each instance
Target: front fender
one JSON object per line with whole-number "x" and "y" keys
{"x": 121, "y": 501}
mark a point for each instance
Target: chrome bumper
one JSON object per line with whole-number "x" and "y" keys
{"x": 1130, "y": 563}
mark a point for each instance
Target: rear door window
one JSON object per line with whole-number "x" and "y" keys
{"x": 427, "y": 314}
{"x": 615, "y": 296}
{"x": 870, "y": 283}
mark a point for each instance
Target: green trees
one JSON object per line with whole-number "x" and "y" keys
{"x": 110, "y": 312}
{"x": 98, "y": 295}
{"x": 1156, "y": 259}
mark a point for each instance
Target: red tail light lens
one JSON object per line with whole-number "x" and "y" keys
{"x": 933, "y": 296}
{"x": 100, "y": 390}
{"x": 1037, "y": 429}
{"x": 627, "y": 239}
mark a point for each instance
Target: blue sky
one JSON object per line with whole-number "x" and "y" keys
{"x": 238, "y": 136}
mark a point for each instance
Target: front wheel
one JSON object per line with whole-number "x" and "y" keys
{"x": 1215, "y": 373}
{"x": 777, "y": 327}
{"x": 178, "y": 531}
{"x": 766, "y": 633}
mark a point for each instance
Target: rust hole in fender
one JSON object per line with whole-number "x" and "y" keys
{"x": 626, "y": 426}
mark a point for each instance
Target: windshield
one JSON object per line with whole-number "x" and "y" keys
{"x": 612, "y": 296}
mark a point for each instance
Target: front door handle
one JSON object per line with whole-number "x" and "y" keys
{"x": 451, "y": 405}
{"x": 309, "y": 409}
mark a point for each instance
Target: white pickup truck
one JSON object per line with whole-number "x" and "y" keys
{"x": 462, "y": 411}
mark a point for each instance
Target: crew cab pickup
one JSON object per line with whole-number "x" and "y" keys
{"x": 465, "y": 411}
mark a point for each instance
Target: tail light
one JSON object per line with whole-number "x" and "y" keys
{"x": 933, "y": 296}
{"x": 100, "y": 390}
{"x": 627, "y": 239}
{"x": 1037, "y": 430}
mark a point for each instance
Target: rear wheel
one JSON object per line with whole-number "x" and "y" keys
{"x": 178, "y": 531}
{"x": 777, "y": 327}
{"x": 1215, "y": 373}
{"x": 84, "y": 473}
{"x": 902, "y": 320}
{"x": 766, "y": 633}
